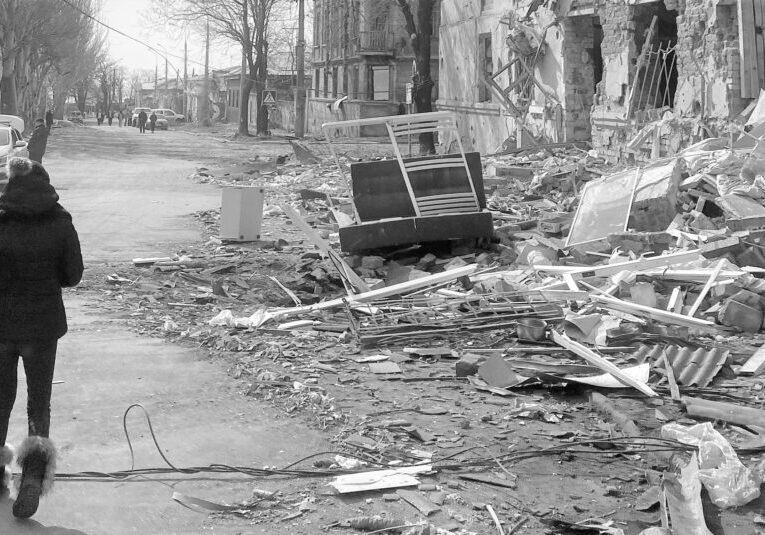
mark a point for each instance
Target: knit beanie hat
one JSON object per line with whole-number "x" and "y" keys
{"x": 28, "y": 191}
{"x": 25, "y": 168}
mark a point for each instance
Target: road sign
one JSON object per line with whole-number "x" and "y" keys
{"x": 269, "y": 97}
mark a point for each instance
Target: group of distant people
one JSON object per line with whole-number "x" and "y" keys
{"x": 152, "y": 119}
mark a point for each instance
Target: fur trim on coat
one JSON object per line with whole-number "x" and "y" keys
{"x": 7, "y": 454}
{"x": 46, "y": 450}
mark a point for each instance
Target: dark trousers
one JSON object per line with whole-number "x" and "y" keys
{"x": 39, "y": 361}
{"x": 153, "y": 124}
{"x": 141, "y": 127}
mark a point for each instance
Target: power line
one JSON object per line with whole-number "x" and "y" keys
{"x": 120, "y": 32}
{"x": 147, "y": 45}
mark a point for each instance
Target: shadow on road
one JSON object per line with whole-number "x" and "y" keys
{"x": 13, "y": 526}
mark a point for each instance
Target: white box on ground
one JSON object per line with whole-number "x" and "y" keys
{"x": 241, "y": 213}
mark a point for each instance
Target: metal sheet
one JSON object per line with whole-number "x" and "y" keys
{"x": 691, "y": 367}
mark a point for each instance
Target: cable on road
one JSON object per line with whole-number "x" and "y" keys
{"x": 597, "y": 446}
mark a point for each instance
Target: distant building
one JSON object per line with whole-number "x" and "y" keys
{"x": 361, "y": 50}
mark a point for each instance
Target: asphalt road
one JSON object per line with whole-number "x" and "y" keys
{"x": 129, "y": 197}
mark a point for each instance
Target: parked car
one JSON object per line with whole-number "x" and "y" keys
{"x": 161, "y": 123}
{"x": 171, "y": 116}
{"x": 136, "y": 111}
{"x": 11, "y": 143}
{"x": 75, "y": 117}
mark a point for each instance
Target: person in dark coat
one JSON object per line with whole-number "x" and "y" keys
{"x": 38, "y": 141}
{"x": 39, "y": 254}
{"x": 49, "y": 120}
{"x": 153, "y": 121}
{"x": 142, "y": 122}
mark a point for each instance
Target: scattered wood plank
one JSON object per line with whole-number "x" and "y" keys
{"x": 345, "y": 270}
{"x": 728, "y": 412}
{"x": 632, "y": 265}
{"x": 380, "y": 293}
{"x": 596, "y": 360}
{"x": 755, "y": 365}
{"x": 707, "y": 287}
{"x": 419, "y": 502}
{"x": 490, "y": 480}
{"x": 653, "y": 313}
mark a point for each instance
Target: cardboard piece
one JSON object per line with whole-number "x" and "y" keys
{"x": 379, "y": 479}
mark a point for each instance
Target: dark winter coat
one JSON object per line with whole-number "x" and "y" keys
{"x": 142, "y": 118}
{"x": 39, "y": 253}
{"x": 38, "y": 141}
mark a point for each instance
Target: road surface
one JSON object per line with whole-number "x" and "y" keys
{"x": 129, "y": 197}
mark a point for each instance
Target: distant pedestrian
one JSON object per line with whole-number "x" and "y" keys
{"x": 142, "y": 122}
{"x": 153, "y": 121}
{"x": 38, "y": 141}
{"x": 110, "y": 117}
{"x": 49, "y": 120}
{"x": 120, "y": 117}
{"x": 40, "y": 255}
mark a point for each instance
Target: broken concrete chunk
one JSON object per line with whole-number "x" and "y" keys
{"x": 744, "y": 317}
{"x": 372, "y": 262}
{"x": 468, "y": 365}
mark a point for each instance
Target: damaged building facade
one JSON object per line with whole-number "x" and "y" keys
{"x": 638, "y": 78}
{"x": 362, "y": 51}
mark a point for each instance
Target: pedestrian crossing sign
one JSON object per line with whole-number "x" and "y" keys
{"x": 269, "y": 97}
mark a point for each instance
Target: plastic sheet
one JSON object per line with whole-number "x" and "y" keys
{"x": 728, "y": 481}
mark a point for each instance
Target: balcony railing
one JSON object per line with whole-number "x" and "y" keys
{"x": 376, "y": 41}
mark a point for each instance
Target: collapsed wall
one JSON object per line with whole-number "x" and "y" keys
{"x": 687, "y": 76}
{"x": 606, "y": 70}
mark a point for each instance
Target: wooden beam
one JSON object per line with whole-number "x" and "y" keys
{"x": 727, "y": 412}
{"x": 755, "y": 365}
{"x": 596, "y": 360}
{"x": 346, "y": 271}
{"x": 380, "y": 293}
{"x": 747, "y": 49}
{"x": 706, "y": 288}
{"x": 632, "y": 265}
{"x": 652, "y": 313}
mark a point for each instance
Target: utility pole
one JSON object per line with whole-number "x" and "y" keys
{"x": 167, "y": 87}
{"x": 204, "y": 106}
{"x": 185, "y": 77}
{"x": 300, "y": 67}
{"x": 244, "y": 119}
{"x": 155, "y": 83}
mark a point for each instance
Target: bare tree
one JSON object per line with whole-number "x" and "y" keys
{"x": 245, "y": 22}
{"x": 38, "y": 39}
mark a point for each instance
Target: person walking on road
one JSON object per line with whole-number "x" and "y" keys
{"x": 38, "y": 141}
{"x": 153, "y": 121}
{"x": 49, "y": 120}
{"x": 142, "y": 122}
{"x": 39, "y": 254}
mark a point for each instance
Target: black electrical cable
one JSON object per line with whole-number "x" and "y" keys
{"x": 648, "y": 444}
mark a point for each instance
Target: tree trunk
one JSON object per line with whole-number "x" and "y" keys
{"x": 244, "y": 110}
{"x": 261, "y": 73}
{"x": 421, "y": 29}
{"x": 245, "y": 82}
{"x": 423, "y": 83}
{"x": 8, "y": 95}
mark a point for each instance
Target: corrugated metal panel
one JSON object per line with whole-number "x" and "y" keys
{"x": 692, "y": 367}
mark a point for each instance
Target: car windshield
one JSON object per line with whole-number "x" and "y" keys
{"x": 5, "y": 137}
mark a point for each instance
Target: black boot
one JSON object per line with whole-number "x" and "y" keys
{"x": 37, "y": 459}
{"x": 6, "y": 457}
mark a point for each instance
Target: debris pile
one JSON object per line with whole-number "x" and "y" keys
{"x": 614, "y": 311}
